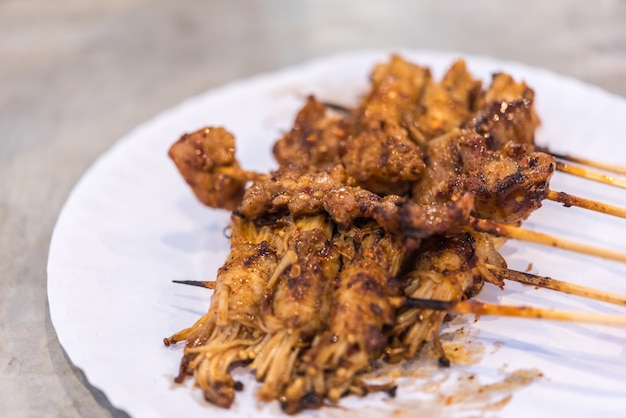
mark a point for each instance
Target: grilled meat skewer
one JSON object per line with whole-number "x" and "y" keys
{"x": 362, "y": 306}
{"x": 369, "y": 210}
{"x": 299, "y": 304}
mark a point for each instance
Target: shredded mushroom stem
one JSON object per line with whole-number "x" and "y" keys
{"x": 300, "y": 300}
{"x": 417, "y": 326}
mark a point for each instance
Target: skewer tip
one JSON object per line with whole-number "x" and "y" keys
{"x": 198, "y": 283}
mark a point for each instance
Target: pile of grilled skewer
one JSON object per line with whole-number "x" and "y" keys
{"x": 378, "y": 222}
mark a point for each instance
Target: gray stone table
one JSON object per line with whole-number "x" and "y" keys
{"x": 77, "y": 75}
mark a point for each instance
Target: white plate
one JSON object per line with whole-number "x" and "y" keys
{"x": 132, "y": 225}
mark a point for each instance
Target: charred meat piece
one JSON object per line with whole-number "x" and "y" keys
{"x": 504, "y": 88}
{"x": 379, "y": 154}
{"x": 370, "y": 142}
{"x": 346, "y": 204}
{"x": 397, "y": 87}
{"x": 447, "y": 158}
{"x": 314, "y": 140}
{"x": 415, "y": 222}
{"x": 505, "y": 113}
{"x": 507, "y": 185}
{"x": 505, "y": 122}
{"x": 297, "y": 190}
{"x": 509, "y": 190}
{"x": 381, "y": 158}
{"x": 206, "y": 160}
{"x": 306, "y": 193}
{"x": 445, "y": 105}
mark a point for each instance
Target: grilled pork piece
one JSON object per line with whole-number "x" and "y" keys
{"x": 296, "y": 190}
{"x": 383, "y": 159}
{"x": 370, "y": 143}
{"x": 414, "y": 222}
{"x": 206, "y": 160}
{"x": 446, "y": 105}
{"x": 298, "y": 193}
{"x": 315, "y": 138}
{"x": 502, "y": 123}
{"x": 509, "y": 190}
{"x": 504, "y": 88}
{"x": 507, "y": 185}
{"x": 505, "y": 113}
{"x": 379, "y": 154}
{"x": 397, "y": 88}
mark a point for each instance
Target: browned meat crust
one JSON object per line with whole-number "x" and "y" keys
{"x": 383, "y": 159}
{"x": 507, "y": 185}
{"x": 505, "y": 122}
{"x": 397, "y": 88}
{"x": 415, "y": 221}
{"x": 297, "y": 190}
{"x": 315, "y": 139}
{"x": 370, "y": 143}
{"x": 509, "y": 190}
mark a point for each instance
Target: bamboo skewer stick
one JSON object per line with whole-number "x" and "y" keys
{"x": 591, "y": 175}
{"x": 581, "y": 202}
{"x": 239, "y": 174}
{"x": 613, "y": 168}
{"x": 512, "y": 275}
{"x": 482, "y": 308}
{"x": 508, "y": 231}
{"x": 336, "y": 107}
{"x": 558, "y": 285}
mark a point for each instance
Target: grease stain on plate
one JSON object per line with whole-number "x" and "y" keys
{"x": 445, "y": 392}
